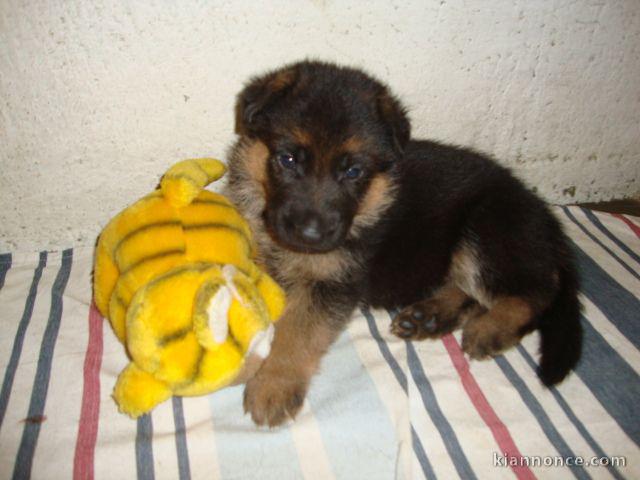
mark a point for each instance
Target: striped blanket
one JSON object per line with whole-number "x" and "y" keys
{"x": 380, "y": 408}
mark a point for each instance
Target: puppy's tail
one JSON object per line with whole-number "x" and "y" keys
{"x": 560, "y": 330}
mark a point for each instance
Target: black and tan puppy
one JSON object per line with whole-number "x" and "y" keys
{"x": 347, "y": 209}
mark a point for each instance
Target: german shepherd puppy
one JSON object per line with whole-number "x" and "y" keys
{"x": 346, "y": 209}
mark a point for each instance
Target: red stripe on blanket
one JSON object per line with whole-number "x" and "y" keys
{"x": 83, "y": 462}
{"x": 481, "y": 404}
{"x": 630, "y": 224}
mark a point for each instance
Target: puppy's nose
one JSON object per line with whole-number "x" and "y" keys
{"x": 310, "y": 230}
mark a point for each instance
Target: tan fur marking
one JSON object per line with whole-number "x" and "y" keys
{"x": 353, "y": 144}
{"x": 465, "y": 273}
{"x": 248, "y": 189}
{"x": 302, "y": 337}
{"x": 303, "y": 333}
{"x": 498, "y": 329}
{"x": 378, "y": 198}
{"x": 255, "y": 156}
{"x": 296, "y": 267}
{"x": 511, "y": 312}
{"x": 282, "y": 79}
{"x": 449, "y": 299}
{"x": 302, "y": 137}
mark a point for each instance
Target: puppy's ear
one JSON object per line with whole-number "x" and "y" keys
{"x": 394, "y": 117}
{"x": 253, "y": 102}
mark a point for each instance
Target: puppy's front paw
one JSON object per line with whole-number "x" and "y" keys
{"x": 273, "y": 396}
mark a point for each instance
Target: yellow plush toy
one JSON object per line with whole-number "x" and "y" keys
{"x": 175, "y": 276}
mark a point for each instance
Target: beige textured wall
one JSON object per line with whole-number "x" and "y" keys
{"x": 98, "y": 97}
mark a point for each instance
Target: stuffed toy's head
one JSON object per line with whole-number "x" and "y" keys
{"x": 175, "y": 276}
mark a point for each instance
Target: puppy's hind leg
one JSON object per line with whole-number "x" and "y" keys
{"x": 498, "y": 329}
{"x": 491, "y": 324}
{"x": 505, "y": 319}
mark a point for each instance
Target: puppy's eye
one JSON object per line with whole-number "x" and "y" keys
{"x": 353, "y": 173}
{"x": 286, "y": 160}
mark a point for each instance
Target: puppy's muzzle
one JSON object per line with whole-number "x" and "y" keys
{"x": 309, "y": 230}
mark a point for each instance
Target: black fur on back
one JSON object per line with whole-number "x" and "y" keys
{"x": 449, "y": 195}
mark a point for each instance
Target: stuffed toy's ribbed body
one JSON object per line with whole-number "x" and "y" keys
{"x": 175, "y": 276}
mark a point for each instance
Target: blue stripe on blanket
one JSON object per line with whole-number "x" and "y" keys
{"x": 5, "y": 265}
{"x": 418, "y": 449}
{"x": 611, "y": 380}
{"x": 619, "y": 305}
{"x": 632, "y": 271}
{"x": 24, "y": 458}
{"x": 598, "y": 358}
{"x": 144, "y": 448}
{"x": 421, "y": 455}
{"x": 16, "y": 351}
{"x": 182, "y": 451}
{"x": 384, "y": 350}
{"x": 539, "y": 414}
{"x": 621, "y": 245}
{"x": 438, "y": 418}
{"x": 573, "y": 418}
{"x": 356, "y": 422}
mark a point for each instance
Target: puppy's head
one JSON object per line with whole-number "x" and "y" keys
{"x": 329, "y": 139}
